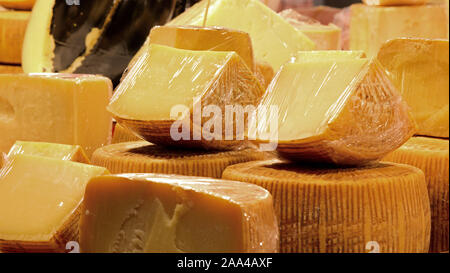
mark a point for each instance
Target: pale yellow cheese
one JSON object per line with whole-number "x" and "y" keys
{"x": 13, "y": 25}
{"x": 39, "y": 202}
{"x": 372, "y": 26}
{"x": 327, "y": 55}
{"x": 161, "y": 213}
{"x": 419, "y": 69}
{"x": 336, "y": 111}
{"x": 274, "y": 39}
{"x": 56, "y": 108}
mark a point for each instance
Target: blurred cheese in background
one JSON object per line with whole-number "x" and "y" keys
{"x": 18, "y": 4}
{"x": 57, "y": 108}
{"x": 394, "y": 2}
{"x": 10, "y": 69}
{"x": 13, "y": 25}
{"x": 273, "y": 4}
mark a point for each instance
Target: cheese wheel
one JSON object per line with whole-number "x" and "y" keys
{"x": 143, "y": 157}
{"x": 431, "y": 155}
{"x": 328, "y": 210}
{"x": 13, "y": 25}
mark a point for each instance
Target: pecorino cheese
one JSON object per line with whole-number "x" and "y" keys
{"x": 160, "y": 213}
{"x": 18, "y": 4}
{"x": 371, "y": 26}
{"x": 419, "y": 69}
{"x": 13, "y": 25}
{"x": 144, "y": 157}
{"x": 332, "y": 210}
{"x": 274, "y": 39}
{"x": 431, "y": 156}
{"x": 55, "y": 108}
{"x": 40, "y": 201}
{"x": 344, "y": 112}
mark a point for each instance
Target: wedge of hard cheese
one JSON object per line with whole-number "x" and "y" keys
{"x": 13, "y": 25}
{"x": 56, "y": 108}
{"x": 344, "y": 112}
{"x": 161, "y": 213}
{"x": 122, "y": 134}
{"x": 419, "y": 69}
{"x": 39, "y": 202}
{"x": 163, "y": 96}
{"x": 18, "y": 4}
{"x": 274, "y": 39}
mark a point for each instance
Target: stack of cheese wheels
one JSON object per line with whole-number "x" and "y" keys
{"x": 14, "y": 16}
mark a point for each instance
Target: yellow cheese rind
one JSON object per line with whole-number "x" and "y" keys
{"x": 394, "y": 2}
{"x": 10, "y": 69}
{"x": 331, "y": 210}
{"x": 13, "y": 25}
{"x": 55, "y": 108}
{"x": 274, "y": 39}
{"x": 166, "y": 77}
{"x": 371, "y": 26}
{"x": 143, "y": 157}
{"x": 419, "y": 70}
{"x": 344, "y": 112}
{"x": 161, "y": 213}
{"x": 122, "y": 134}
{"x": 431, "y": 156}
{"x": 18, "y": 4}
{"x": 40, "y": 202}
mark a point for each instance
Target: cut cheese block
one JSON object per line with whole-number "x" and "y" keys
{"x": 55, "y": 108}
{"x": 40, "y": 201}
{"x": 330, "y": 210}
{"x": 143, "y": 157}
{"x": 58, "y": 151}
{"x": 325, "y": 55}
{"x": 274, "y": 39}
{"x": 10, "y": 69}
{"x": 394, "y": 2}
{"x": 323, "y": 14}
{"x": 13, "y": 25}
{"x": 326, "y": 37}
{"x": 371, "y": 26}
{"x": 167, "y": 86}
{"x": 18, "y": 4}
{"x": 122, "y": 134}
{"x": 160, "y": 213}
{"x": 431, "y": 155}
{"x": 344, "y": 112}
{"x": 419, "y": 69}
{"x": 264, "y": 73}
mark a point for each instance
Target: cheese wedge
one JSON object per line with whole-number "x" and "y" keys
{"x": 431, "y": 156}
{"x": 56, "y": 108}
{"x": 325, "y": 55}
{"x": 344, "y": 112}
{"x": 274, "y": 39}
{"x": 18, "y": 4}
{"x": 122, "y": 134}
{"x": 419, "y": 69}
{"x": 394, "y": 2}
{"x": 326, "y": 37}
{"x": 39, "y": 202}
{"x": 13, "y": 25}
{"x": 330, "y": 210}
{"x": 264, "y": 73}
{"x": 160, "y": 213}
{"x": 371, "y": 26}
{"x": 166, "y": 77}
{"x": 10, "y": 69}
{"x": 143, "y": 157}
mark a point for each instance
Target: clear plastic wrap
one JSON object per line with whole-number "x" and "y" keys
{"x": 419, "y": 70}
{"x": 176, "y": 97}
{"x": 344, "y": 112}
{"x": 190, "y": 214}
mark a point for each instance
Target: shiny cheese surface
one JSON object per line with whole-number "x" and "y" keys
{"x": 372, "y": 26}
{"x": 13, "y": 25}
{"x": 419, "y": 69}
{"x": 56, "y": 108}
{"x": 274, "y": 39}
{"x": 161, "y": 213}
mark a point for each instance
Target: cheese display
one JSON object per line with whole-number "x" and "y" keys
{"x": 143, "y": 157}
{"x": 91, "y": 37}
{"x": 327, "y": 55}
{"x": 372, "y": 26}
{"x": 332, "y": 210}
{"x": 394, "y": 2}
{"x": 344, "y": 112}
{"x": 10, "y": 69}
{"x": 159, "y": 213}
{"x": 122, "y": 134}
{"x": 56, "y": 108}
{"x": 326, "y": 37}
{"x": 274, "y": 39}
{"x": 13, "y": 25}
{"x": 168, "y": 85}
{"x": 18, "y": 4}
{"x": 40, "y": 201}
{"x": 431, "y": 156}
{"x": 419, "y": 69}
